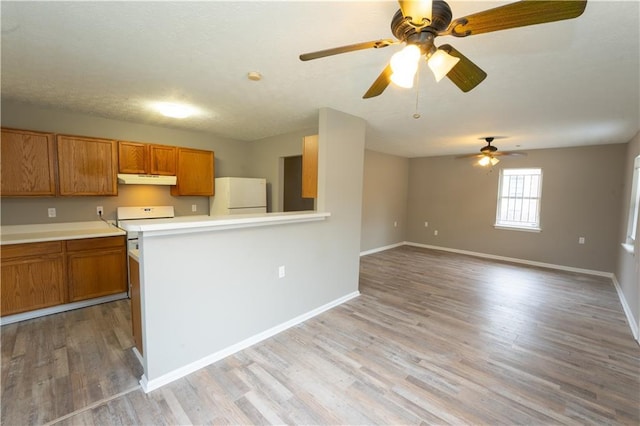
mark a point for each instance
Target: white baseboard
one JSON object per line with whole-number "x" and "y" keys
{"x": 633, "y": 324}
{"x": 10, "y": 319}
{"x": 379, "y": 249}
{"x": 150, "y": 385}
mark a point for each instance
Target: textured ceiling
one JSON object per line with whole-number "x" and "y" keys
{"x": 568, "y": 83}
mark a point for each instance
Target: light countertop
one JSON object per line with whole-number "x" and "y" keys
{"x": 18, "y": 234}
{"x": 188, "y": 224}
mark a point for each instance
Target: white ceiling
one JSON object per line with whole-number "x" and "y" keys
{"x": 568, "y": 83}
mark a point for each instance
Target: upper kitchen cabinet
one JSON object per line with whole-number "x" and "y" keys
{"x": 87, "y": 166}
{"x": 27, "y": 161}
{"x": 195, "y": 172}
{"x": 144, "y": 158}
{"x": 310, "y": 167}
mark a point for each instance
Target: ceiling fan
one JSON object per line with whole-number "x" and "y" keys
{"x": 418, "y": 22}
{"x": 489, "y": 153}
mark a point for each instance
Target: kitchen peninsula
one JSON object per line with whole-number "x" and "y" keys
{"x": 210, "y": 286}
{"x": 213, "y": 286}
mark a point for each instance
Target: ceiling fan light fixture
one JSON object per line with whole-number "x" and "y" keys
{"x": 404, "y": 65}
{"x": 404, "y": 80}
{"x": 488, "y": 159}
{"x": 441, "y": 63}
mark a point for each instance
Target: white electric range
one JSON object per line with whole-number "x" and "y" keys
{"x": 129, "y": 215}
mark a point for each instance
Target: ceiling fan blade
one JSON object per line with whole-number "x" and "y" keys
{"x": 376, "y": 44}
{"x": 510, "y": 154}
{"x": 380, "y": 84}
{"x": 513, "y": 15}
{"x": 466, "y": 75}
{"x": 469, "y": 156}
{"x": 418, "y": 10}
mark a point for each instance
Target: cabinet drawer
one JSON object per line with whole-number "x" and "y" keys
{"x": 30, "y": 249}
{"x": 95, "y": 243}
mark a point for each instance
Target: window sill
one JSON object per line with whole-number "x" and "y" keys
{"x": 517, "y": 228}
{"x": 628, "y": 248}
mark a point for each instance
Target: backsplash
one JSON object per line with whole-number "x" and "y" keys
{"x": 31, "y": 210}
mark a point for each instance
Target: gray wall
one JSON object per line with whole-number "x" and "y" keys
{"x": 266, "y": 161}
{"x": 231, "y": 159}
{"x": 581, "y": 196}
{"x": 628, "y": 265}
{"x": 228, "y": 282}
{"x": 384, "y": 200}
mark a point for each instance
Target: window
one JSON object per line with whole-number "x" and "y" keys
{"x": 519, "y": 192}
{"x": 634, "y": 206}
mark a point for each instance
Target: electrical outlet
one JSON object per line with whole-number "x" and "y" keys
{"x": 435, "y": 232}
{"x": 99, "y": 210}
{"x": 395, "y": 224}
{"x": 426, "y": 224}
{"x": 281, "y": 272}
{"x": 51, "y": 212}
{"x": 581, "y": 240}
{"x": 194, "y": 207}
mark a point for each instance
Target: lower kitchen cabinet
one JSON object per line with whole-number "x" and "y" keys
{"x": 96, "y": 267}
{"x": 46, "y": 274}
{"x": 136, "y": 308}
{"x": 32, "y": 277}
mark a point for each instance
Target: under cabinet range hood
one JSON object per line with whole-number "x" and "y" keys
{"x": 131, "y": 179}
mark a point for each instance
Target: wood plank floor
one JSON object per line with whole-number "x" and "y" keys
{"x": 435, "y": 338}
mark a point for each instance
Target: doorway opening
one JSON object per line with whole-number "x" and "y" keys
{"x": 292, "y": 197}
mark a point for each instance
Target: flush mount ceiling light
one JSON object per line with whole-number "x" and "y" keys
{"x": 174, "y": 110}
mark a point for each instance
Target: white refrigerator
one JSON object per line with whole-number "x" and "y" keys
{"x": 234, "y": 195}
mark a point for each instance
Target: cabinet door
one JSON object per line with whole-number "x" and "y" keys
{"x": 132, "y": 157}
{"x": 27, "y": 161}
{"x": 96, "y": 273}
{"x": 87, "y": 166}
{"x": 31, "y": 283}
{"x": 162, "y": 160}
{"x": 195, "y": 172}
{"x": 310, "y": 167}
{"x": 136, "y": 308}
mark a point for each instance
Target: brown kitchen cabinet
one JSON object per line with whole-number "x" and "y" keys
{"x": 136, "y": 307}
{"x": 27, "y": 161}
{"x": 96, "y": 267}
{"x": 144, "y": 158}
{"x": 32, "y": 277}
{"x": 87, "y": 166}
{"x": 195, "y": 172}
{"x": 310, "y": 166}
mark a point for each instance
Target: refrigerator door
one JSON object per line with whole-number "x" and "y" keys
{"x": 247, "y": 192}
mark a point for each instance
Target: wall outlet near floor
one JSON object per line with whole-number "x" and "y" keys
{"x": 99, "y": 211}
{"x": 194, "y": 207}
{"x": 581, "y": 240}
{"x": 281, "y": 272}
{"x": 426, "y": 224}
{"x": 395, "y": 224}
{"x": 51, "y": 211}
{"x": 435, "y": 232}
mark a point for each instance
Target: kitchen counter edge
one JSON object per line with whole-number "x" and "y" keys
{"x": 23, "y": 234}
{"x": 217, "y": 223}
